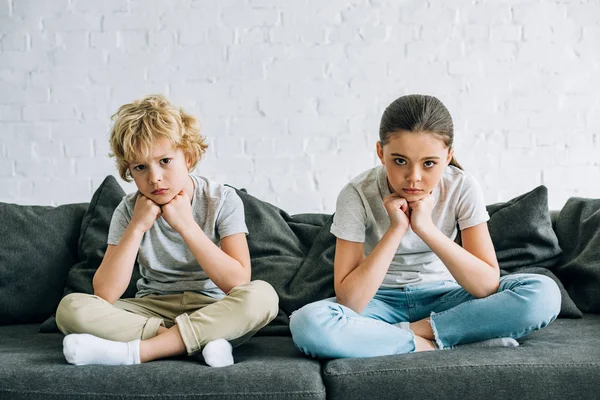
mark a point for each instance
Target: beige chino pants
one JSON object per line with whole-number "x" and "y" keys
{"x": 201, "y": 319}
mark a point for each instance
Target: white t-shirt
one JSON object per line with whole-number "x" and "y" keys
{"x": 166, "y": 263}
{"x": 361, "y": 217}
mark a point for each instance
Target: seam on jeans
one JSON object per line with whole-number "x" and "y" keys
{"x": 436, "y": 337}
{"x": 395, "y": 370}
{"x": 166, "y": 395}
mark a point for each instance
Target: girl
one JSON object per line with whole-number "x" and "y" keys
{"x": 402, "y": 282}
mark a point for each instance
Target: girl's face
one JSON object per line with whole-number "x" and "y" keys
{"x": 414, "y": 162}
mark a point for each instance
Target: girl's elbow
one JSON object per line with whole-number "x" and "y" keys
{"x": 486, "y": 290}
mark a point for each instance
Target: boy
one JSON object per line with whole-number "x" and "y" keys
{"x": 188, "y": 234}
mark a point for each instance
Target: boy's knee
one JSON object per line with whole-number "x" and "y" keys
{"x": 261, "y": 299}
{"x": 71, "y": 313}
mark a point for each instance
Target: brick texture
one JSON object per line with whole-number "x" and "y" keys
{"x": 290, "y": 93}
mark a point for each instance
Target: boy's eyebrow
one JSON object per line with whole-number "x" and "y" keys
{"x": 424, "y": 158}
{"x": 156, "y": 158}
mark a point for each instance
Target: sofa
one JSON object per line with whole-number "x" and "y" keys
{"x": 47, "y": 252}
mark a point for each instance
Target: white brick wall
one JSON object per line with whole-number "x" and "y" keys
{"x": 290, "y": 92}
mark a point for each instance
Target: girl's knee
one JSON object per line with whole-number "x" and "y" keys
{"x": 308, "y": 326}
{"x": 543, "y": 299}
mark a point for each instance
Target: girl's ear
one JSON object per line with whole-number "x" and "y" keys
{"x": 380, "y": 152}
{"x": 450, "y": 155}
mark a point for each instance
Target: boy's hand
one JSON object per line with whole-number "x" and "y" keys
{"x": 145, "y": 213}
{"x": 398, "y": 211}
{"x": 178, "y": 211}
{"x": 420, "y": 213}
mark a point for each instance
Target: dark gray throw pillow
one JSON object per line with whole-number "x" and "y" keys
{"x": 525, "y": 241}
{"x": 293, "y": 253}
{"x": 578, "y": 230}
{"x": 92, "y": 244}
{"x": 37, "y": 249}
{"x": 522, "y": 232}
{"x": 568, "y": 309}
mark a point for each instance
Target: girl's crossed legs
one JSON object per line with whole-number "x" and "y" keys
{"x": 441, "y": 311}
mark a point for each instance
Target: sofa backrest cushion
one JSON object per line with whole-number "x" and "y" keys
{"x": 578, "y": 230}
{"x": 38, "y": 246}
{"x": 92, "y": 244}
{"x": 522, "y": 233}
{"x": 93, "y": 239}
{"x": 525, "y": 241}
{"x": 293, "y": 253}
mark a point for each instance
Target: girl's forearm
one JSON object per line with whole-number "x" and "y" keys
{"x": 475, "y": 275}
{"x": 358, "y": 288}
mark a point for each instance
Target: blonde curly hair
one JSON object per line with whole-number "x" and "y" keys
{"x": 138, "y": 125}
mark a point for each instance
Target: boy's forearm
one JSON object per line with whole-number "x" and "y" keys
{"x": 225, "y": 271}
{"x": 113, "y": 275}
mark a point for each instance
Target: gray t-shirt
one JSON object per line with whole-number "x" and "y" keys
{"x": 166, "y": 263}
{"x": 361, "y": 217}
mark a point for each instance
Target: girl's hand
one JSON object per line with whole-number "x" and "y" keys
{"x": 178, "y": 211}
{"x": 420, "y": 214}
{"x": 145, "y": 213}
{"x": 398, "y": 211}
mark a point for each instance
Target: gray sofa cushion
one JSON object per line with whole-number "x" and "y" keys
{"x": 562, "y": 361}
{"x": 525, "y": 241}
{"x": 32, "y": 366}
{"x": 578, "y": 229}
{"x": 93, "y": 239}
{"x": 522, "y": 232}
{"x": 37, "y": 249}
{"x": 92, "y": 244}
{"x": 292, "y": 253}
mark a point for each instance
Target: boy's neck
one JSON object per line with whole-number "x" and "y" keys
{"x": 190, "y": 188}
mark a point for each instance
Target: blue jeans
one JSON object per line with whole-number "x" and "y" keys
{"x": 523, "y": 304}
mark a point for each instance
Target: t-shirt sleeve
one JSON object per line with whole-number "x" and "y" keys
{"x": 231, "y": 219}
{"x": 471, "y": 210}
{"x": 350, "y": 218}
{"x": 119, "y": 222}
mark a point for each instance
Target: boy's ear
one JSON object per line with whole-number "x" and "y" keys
{"x": 379, "y": 147}
{"x": 188, "y": 159}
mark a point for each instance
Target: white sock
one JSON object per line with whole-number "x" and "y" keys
{"x": 84, "y": 349}
{"x": 497, "y": 342}
{"x": 218, "y": 353}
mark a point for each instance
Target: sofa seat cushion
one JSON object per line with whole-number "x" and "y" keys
{"x": 562, "y": 361}
{"x": 32, "y": 366}
{"x": 38, "y": 247}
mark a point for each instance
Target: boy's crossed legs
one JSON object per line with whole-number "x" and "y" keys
{"x": 130, "y": 331}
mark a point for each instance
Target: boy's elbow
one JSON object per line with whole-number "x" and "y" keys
{"x": 106, "y": 296}
{"x": 104, "y": 293}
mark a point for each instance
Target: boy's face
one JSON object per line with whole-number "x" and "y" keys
{"x": 414, "y": 163}
{"x": 163, "y": 174}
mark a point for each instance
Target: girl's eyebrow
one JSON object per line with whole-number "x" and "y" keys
{"x": 424, "y": 158}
